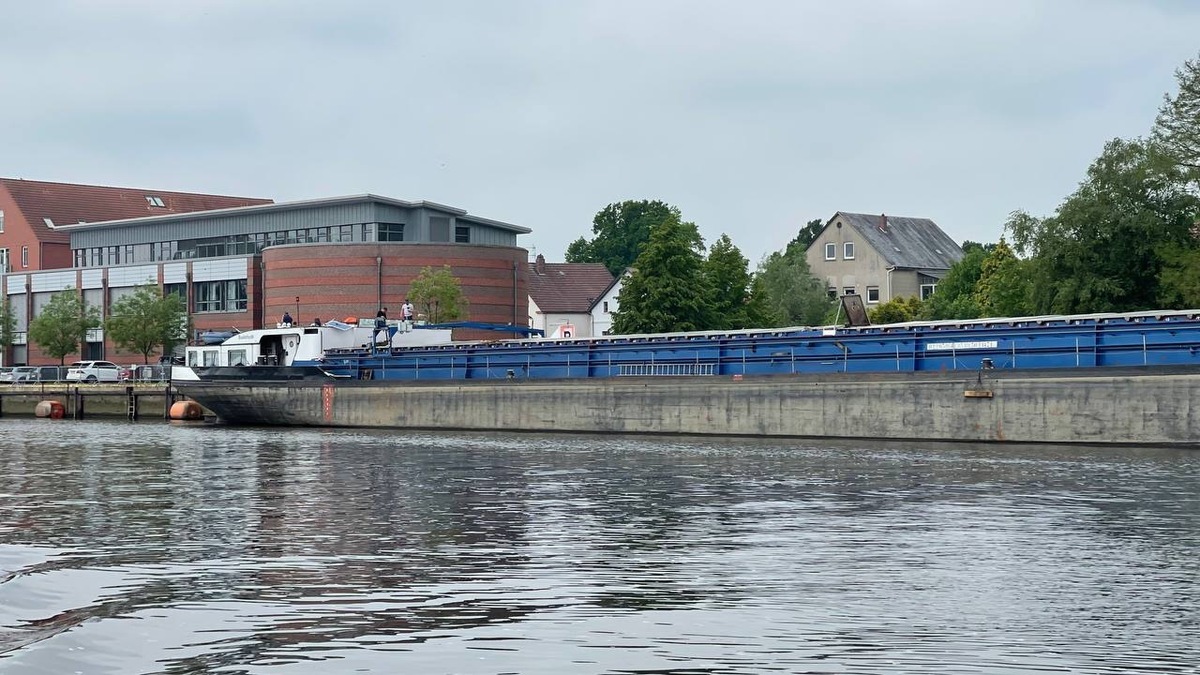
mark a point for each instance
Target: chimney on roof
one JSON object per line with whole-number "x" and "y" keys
{"x": 540, "y": 265}
{"x": 883, "y": 223}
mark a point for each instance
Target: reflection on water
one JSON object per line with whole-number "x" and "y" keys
{"x": 185, "y": 549}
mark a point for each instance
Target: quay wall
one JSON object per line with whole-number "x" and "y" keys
{"x": 1133, "y": 409}
{"x": 100, "y": 400}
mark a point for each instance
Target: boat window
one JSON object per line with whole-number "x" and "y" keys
{"x": 210, "y": 357}
{"x": 193, "y": 358}
{"x": 237, "y": 357}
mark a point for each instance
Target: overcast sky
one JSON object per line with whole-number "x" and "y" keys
{"x": 751, "y": 116}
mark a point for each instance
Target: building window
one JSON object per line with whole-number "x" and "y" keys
{"x": 462, "y": 234}
{"x": 4, "y": 261}
{"x": 24, "y": 256}
{"x": 832, "y": 293}
{"x": 849, "y": 290}
{"x": 391, "y": 232}
{"x": 927, "y": 290}
{"x": 848, "y": 250}
{"x": 177, "y": 289}
{"x": 606, "y": 307}
{"x": 872, "y": 294}
{"x": 155, "y": 201}
{"x": 831, "y": 251}
{"x": 221, "y": 296}
{"x": 345, "y": 233}
{"x": 1, "y": 221}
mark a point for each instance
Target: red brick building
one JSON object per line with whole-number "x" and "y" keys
{"x": 242, "y": 267}
{"x": 32, "y": 213}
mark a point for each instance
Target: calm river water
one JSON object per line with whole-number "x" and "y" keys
{"x": 156, "y": 548}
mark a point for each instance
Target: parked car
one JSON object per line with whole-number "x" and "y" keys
{"x": 19, "y": 375}
{"x": 96, "y": 371}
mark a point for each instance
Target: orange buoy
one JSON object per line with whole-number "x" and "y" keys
{"x": 186, "y": 410}
{"x": 50, "y": 409}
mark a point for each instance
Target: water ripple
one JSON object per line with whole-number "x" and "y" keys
{"x": 194, "y": 549}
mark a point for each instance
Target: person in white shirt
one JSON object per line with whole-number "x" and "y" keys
{"x": 406, "y": 313}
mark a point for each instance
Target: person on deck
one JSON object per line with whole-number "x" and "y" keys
{"x": 406, "y": 311}
{"x": 380, "y": 326}
{"x": 286, "y": 321}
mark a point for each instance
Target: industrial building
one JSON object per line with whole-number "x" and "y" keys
{"x": 241, "y": 266}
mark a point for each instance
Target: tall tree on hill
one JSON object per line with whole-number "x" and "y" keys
{"x": 667, "y": 290}
{"x": 955, "y": 296}
{"x": 621, "y": 230}
{"x": 63, "y": 324}
{"x": 807, "y": 235}
{"x": 728, "y": 274}
{"x": 1177, "y": 127}
{"x": 1101, "y": 251}
{"x": 793, "y": 296}
{"x": 1001, "y": 289}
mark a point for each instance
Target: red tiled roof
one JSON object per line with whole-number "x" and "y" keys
{"x": 69, "y": 204}
{"x": 568, "y": 287}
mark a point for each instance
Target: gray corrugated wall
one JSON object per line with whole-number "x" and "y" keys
{"x": 201, "y": 226}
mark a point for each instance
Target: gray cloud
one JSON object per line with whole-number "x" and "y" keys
{"x": 752, "y": 117}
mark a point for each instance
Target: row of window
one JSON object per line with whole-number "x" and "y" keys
{"x": 6, "y": 263}
{"x": 249, "y": 244}
{"x": 847, "y": 251}
{"x": 213, "y": 296}
{"x": 873, "y": 292}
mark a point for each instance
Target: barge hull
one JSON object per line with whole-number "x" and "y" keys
{"x": 1134, "y": 406}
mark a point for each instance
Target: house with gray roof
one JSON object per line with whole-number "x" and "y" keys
{"x": 881, "y": 257}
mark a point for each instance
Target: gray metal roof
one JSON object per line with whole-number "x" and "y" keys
{"x": 916, "y": 243}
{"x": 460, "y": 214}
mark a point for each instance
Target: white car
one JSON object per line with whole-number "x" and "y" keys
{"x": 95, "y": 371}
{"x": 20, "y": 375}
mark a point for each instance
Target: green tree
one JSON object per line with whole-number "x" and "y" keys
{"x": 1100, "y": 251}
{"x": 63, "y": 324}
{"x": 1177, "y": 127}
{"x": 898, "y": 310}
{"x": 8, "y": 324}
{"x": 621, "y": 230}
{"x": 955, "y": 296}
{"x": 791, "y": 294}
{"x": 667, "y": 290}
{"x": 1001, "y": 289}
{"x": 728, "y": 274}
{"x": 147, "y": 321}
{"x": 808, "y": 234}
{"x": 1179, "y": 280}
{"x": 438, "y": 295}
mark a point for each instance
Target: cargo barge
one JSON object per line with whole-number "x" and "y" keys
{"x": 1101, "y": 378}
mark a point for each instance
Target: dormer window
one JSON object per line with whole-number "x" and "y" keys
{"x": 848, "y": 250}
{"x": 155, "y": 201}
{"x": 831, "y": 251}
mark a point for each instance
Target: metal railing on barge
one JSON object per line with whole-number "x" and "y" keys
{"x": 1041, "y": 342}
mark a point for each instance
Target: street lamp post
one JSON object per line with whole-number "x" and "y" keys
{"x": 297, "y": 319}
